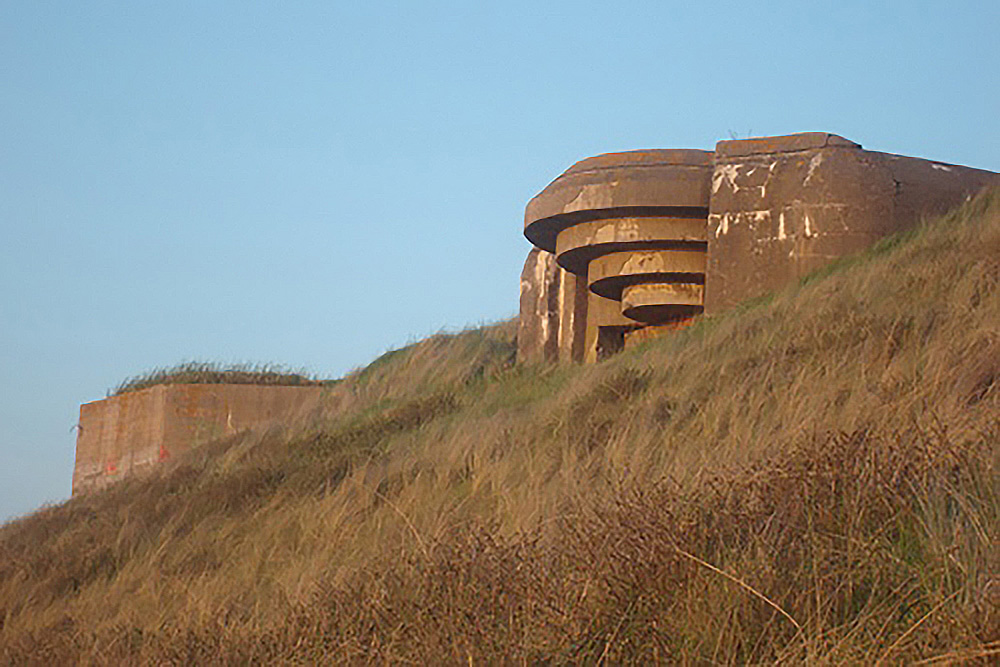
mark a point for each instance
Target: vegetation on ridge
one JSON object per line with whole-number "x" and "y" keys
{"x": 202, "y": 372}
{"x": 813, "y": 479}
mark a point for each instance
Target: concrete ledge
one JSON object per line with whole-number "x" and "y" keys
{"x": 609, "y": 274}
{"x": 580, "y": 244}
{"x": 654, "y": 157}
{"x": 619, "y": 185}
{"x": 658, "y": 303}
{"x": 788, "y": 143}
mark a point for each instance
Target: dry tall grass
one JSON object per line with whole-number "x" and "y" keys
{"x": 202, "y": 372}
{"x": 813, "y": 479}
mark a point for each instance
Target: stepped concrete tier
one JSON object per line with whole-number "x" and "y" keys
{"x": 631, "y": 228}
{"x": 133, "y": 431}
{"x": 630, "y": 246}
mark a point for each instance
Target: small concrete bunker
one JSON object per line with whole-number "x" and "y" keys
{"x": 132, "y": 431}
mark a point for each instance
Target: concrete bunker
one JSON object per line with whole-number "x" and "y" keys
{"x": 634, "y": 245}
{"x": 631, "y": 230}
{"x": 133, "y": 431}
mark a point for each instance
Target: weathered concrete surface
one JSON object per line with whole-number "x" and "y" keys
{"x": 606, "y": 328}
{"x": 538, "y": 323}
{"x": 553, "y": 315}
{"x": 576, "y": 246}
{"x": 610, "y": 209}
{"x": 617, "y": 185}
{"x": 659, "y": 236}
{"x": 609, "y": 274}
{"x": 782, "y": 207}
{"x": 658, "y": 303}
{"x": 135, "y": 430}
{"x": 574, "y": 303}
{"x": 639, "y": 336}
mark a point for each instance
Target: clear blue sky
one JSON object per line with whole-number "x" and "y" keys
{"x": 313, "y": 183}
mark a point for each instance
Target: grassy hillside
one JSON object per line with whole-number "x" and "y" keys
{"x": 811, "y": 479}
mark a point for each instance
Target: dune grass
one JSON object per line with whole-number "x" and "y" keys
{"x": 809, "y": 480}
{"x": 204, "y": 372}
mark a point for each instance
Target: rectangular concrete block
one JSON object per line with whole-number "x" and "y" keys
{"x": 133, "y": 431}
{"x": 782, "y": 207}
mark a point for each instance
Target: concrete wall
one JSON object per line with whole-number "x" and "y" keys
{"x": 782, "y": 207}
{"x": 658, "y": 236}
{"x": 135, "y": 430}
{"x": 552, "y": 325}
